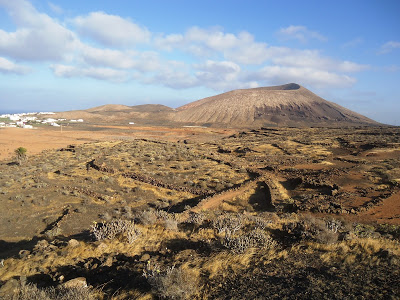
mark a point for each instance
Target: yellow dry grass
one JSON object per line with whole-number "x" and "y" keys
{"x": 151, "y": 240}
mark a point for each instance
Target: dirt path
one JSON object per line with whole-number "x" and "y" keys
{"x": 278, "y": 193}
{"x": 388, "y": 212}
{"x": 215, "y": 201}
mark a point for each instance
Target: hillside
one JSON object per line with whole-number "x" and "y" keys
{"x": 148, "y": 114}
{"x": 285, "y": 105}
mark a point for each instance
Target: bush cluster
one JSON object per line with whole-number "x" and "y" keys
{"x": 122, "y": 229}
{"x": 254, "y": 239}
{"x": 312, "y": 229}
{"x": 228, "y": 223}
{"x": 32, "y": 292}
{"x": 171, "y": 282}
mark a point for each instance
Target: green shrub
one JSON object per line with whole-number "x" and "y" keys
{"x": 20, "y": 155}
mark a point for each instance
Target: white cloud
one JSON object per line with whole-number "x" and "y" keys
{"x": 147, "y": 61}
{"x": 300, "y": 33}
{"x": 111, "y": 30}
{"x": 213, "y": 39}
{"x": 240, "y": 48}
{"x": 219, "y": 60}
{"x": 9, "y": 67}
{"x": 107, "y": 57}
{"x": 389, "y": 47}
{"x": 172, "y": 79}
{"x": 55, "y": 8}
{"x": 227, "y": 69}
{"x": 305, "y": 76}
{"x": 218, "y": 75}
{"x": 38, "y": 37}
{"x": 248, "y": 51}
{"x": 96, "y": 73}
{"x": 312, "y": 59}
{"x": 169, "y": 42}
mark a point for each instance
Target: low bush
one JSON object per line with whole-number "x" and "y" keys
{"x": 313, "y": 229}
{"x": 228, "y": 223}
{"x": 32, "y": 292}
{"x": 254, "y": 239}
{"x": 171, "y": 283}
{"x": 147, "y": 217}
{"x": 120, "y": 229}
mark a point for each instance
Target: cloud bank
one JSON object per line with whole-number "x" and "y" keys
{"x": 108, "y": 47}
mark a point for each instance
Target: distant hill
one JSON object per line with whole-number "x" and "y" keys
{"x": 146, "y": 114}
{"x": 284, "y": 105}
{"x": 109, "y": 107}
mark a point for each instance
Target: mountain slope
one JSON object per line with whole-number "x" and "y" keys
{"x": 148, "y": 114}
{"x": 290, "y": 105}
{"x": 284, "y": 105}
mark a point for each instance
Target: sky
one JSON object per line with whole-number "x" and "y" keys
{"x": 70, "y": 54}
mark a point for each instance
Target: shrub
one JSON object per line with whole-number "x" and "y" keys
{"x": 147, "y": 217}
{"x": 312, "y": 229}
{"x": 20, "y": 155}
{"x": 228, "y": 223}
{"x": 259, "y": 222}
{"x": 171, "y": 283}
{"x": 171, "y": 224}
{"x": 53, "y": 232}
{"x": 122, "y": 229}
{"x": 32, "y": 292}
{"x": 254, "y": 239}
{"x": 196, "y": 218}
{"x": 364, "y": 230}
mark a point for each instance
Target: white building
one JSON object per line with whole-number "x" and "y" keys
{"x": 49, "y": 120}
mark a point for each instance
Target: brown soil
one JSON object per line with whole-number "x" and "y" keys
{"x": 39, "y": 139}
{"x": 388, "y": 212}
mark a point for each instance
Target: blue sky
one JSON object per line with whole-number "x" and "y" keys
{"x": 65, "y": 55}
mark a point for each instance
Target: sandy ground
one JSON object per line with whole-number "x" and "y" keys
{"x": 39, "y": 139}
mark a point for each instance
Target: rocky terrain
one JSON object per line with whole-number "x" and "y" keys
{"x": 269, "y": 213}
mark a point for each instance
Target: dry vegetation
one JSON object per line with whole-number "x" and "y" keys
{"x": 264, "y": 214}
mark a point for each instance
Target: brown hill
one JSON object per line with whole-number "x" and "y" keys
{"x": 109, "y": 107}
{"x": 148, "y": 114}
{"x": 285, "y": 105}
